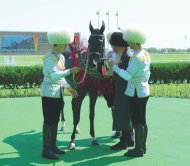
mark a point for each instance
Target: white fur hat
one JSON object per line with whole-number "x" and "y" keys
{"x": 135, "y": 34}
{"x": 60, "y": 36}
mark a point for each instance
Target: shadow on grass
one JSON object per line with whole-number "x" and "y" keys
{"x": 28, "y": 146}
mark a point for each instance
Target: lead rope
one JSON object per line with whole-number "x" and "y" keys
{"x": 85, "y": 71}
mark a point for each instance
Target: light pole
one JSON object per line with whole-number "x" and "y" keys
{"x": 117, "y": 15}
{"x": 185, "y": 44}
{"x": 108, "y": 14}
{"x": 98, "y": 14}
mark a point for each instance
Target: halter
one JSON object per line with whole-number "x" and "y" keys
{"x": 99, "y": 53}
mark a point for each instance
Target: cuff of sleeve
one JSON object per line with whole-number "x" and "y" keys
{"x": 116, "y": 68}
{"x": 66, "y": 72}
{"x": 67, "y": 85}
{"x": 122, "y": 73}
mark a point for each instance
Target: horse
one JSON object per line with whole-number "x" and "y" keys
{"x": 91, "y": 80}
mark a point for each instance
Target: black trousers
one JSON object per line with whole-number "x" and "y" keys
{"x": 51, "y": 108}
{"x": 138, "y": 109}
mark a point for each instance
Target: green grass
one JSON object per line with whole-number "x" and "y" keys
{"x": 24, "y": 60}
{"x": 21, "y": 143}
{"x": 37, "y": 59}
{"x": 170, "y": 58}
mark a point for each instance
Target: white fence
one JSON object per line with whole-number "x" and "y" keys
{"x": 9, "y": 60}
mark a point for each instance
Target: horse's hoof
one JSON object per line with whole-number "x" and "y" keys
{"x": 71, "y": 146}
{"x": 95, "y": 142}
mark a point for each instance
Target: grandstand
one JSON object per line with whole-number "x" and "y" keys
{"x": 24, "y": 43}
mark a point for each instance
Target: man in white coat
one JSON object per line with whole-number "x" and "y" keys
{"x": 137, "y": 74}
{"x": 52, "y": 88}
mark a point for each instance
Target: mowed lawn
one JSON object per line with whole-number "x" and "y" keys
{"x": 21, "y": 138}
{"x": 163, "y": 58}
{"x": 25, "y": 60}
{"x": 22, "y": 60}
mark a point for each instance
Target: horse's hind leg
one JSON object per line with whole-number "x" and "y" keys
{"x": 63, "y": 127}
{"x": 93, "y": 98}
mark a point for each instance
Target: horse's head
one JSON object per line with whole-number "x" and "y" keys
{"x": 96, "y": 46}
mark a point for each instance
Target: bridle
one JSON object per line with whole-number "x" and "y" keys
{"x": 100, "y": 37}
{"x": 89, "y": 53}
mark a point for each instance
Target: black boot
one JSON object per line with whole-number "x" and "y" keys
{"x": 139, "y": 136}
{"x": 119, "y": 146}
{"x": 145, "y": 137}
{"x": 122, "y": 144}
{"x": 53, "y": 141}
{"x": 47, "y": 153}
{"x": 130, "y": 138}
{"x": 117, "y": 134}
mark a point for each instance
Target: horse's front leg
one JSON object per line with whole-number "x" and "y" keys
{"x": 76, "y": 108}
{"x": 72, "y": 143}
{"x": 93, "y": 98}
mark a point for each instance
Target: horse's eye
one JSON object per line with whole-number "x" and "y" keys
{"x": 100, "y": 40}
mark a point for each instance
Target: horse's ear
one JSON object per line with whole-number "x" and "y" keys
{"x": 102, "y": 29}
{"x": 91, "y": 27}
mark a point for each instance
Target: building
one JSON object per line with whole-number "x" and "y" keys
{"x": 25, "y": 43}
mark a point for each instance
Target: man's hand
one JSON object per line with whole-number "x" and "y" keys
{"x": 110, "y": 62}
{"x": 73, "y": 92}
{"x": 75, "y": 70}
{"x": 109, "y": 72}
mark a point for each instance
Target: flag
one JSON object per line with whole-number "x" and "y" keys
{"x": 107, "y": 13}
{"x": 35, "y": 38}
{"x": 98, "y": 13}
{"x": 117, "y": 14}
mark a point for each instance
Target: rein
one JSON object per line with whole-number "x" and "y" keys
{"x": 85, "y": 72}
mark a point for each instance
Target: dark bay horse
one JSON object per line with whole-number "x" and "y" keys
{"x": 91, "y": 81}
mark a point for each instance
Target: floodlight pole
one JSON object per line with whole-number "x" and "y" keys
{"x": 98, "y": 14}
{"x": 108, "y": 20}
{"x": 117, "y": 15}
{"x": 98, "y": 20}
{"x": 108, "y": 15}
{"x": 185, "y": 43}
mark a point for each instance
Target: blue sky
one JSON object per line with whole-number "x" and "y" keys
{"x": 166, "y": 21}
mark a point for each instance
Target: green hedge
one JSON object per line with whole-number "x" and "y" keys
{"x": 21, "y": 75}
{"x": 29, "y": 92}
{"x": 156, "y": 90}
{"x": 170, "y": 72}
{"x": 160, "y": 72}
